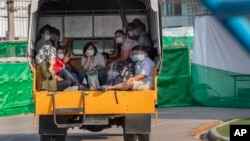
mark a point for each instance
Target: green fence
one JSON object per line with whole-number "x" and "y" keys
{"x": 174, "y": 79}
{"x": 218, "y": 88}
{"x": 13, "y": 49}
{"x": 15, "y": 89}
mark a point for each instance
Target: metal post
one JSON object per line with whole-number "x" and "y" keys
{"x": 11, "y": 23}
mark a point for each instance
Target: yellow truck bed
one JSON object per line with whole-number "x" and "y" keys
{"x": 97, "y": 102}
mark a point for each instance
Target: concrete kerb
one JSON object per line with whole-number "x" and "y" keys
{"x": 213, "y": 135}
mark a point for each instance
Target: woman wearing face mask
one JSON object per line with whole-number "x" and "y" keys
{"x": 126, "y": 46}
{"x": 91, "y": 61}
{"x": 44, "y": 38}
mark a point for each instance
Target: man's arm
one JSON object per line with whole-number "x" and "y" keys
{"x": 124, "y": 56}
{"x": 123, "y": 16}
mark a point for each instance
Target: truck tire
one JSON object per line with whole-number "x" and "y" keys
{"x": 143, "y": 137}
{"x": 129, "y": 137}
{"x": 133, "y": 137}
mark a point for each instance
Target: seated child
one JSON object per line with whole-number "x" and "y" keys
{"x": 144, "y": 73}
{"x": 60, "y": 68}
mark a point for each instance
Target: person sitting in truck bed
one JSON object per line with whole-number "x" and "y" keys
{"x": 60, "y": 68}
{"x": 144, "y": 39}
{"x": 55, "y": 36}
{"x": 46, "y": 79}
{"x": 126, "y": 46}
{"x": 44, "y": 38}
{"x": 144, "y": 74}
{"x": 92, "y": 61}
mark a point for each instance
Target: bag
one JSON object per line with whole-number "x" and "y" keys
{"x": 120, "y": 73}
{"x": 93, "y": 80}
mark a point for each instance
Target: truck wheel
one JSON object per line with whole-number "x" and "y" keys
{"x": 129, "y": 137}
{"x": 52, "y": 138}
{"x": 143, "y": 137}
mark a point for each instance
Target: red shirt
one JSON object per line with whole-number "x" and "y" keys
{"x": 59, "y": 65}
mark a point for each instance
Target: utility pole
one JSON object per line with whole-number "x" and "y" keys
{"x": 11, "y": 24}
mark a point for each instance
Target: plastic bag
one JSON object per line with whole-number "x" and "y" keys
{"x": 93, "y": 80}
{"x": 112, "y": 74}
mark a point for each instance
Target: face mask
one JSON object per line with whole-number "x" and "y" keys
{"x": 134, "y": 58}
{"x": 119, "y": 40}
{"x": 136, "y": 33}
{"x": 131, "y": 33}
{"x": 90, "y": 52}
{"x": 47, "y": 37}
{"x": 61, "y": 56}
{"x": 140, "y": 57}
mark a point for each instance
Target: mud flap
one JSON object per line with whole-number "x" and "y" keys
{"x": 137, "y": 124}
{"x": 48, "y": 127}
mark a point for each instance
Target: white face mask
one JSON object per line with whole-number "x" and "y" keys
{"x": 134, "y": 58}
{"x": 119, "y": 40}
{"x": 90, "y": 52}
{"x": 47, "y": 37}
{"x": 61, "y": 56}
{"x": 140, "y": 57}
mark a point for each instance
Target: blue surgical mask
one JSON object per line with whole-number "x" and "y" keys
{"x": 140, "y": 57}
{"x": 119, "y": 40}
{"x": 47, "y": 37}
{"x": 134, "y": 58}
{"x": 91, "y": 52}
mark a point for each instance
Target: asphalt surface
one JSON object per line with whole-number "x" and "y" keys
{"x": 175, "y": 124}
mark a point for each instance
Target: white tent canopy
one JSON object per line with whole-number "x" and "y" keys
{"x": 215, "y": 47}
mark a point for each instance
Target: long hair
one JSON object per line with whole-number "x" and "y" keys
{"x": 87, "y": 45}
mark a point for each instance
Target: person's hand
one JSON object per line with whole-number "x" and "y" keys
{"x": 129, "y": 81}
{"x": 58, "y": 78}
{"x": 87, "y": 54}
{"x": 52, "y": 61}
{"x": 66, "y": 58}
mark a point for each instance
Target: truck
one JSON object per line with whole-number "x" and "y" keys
{"x": 81, "y": 21}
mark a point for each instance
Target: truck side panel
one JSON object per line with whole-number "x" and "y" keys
{"x": 98, "y": 102}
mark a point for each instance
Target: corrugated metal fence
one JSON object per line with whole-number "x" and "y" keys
{"x": 20, "y": 19}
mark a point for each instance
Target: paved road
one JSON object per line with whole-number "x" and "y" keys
{"x": 175, "y": 124}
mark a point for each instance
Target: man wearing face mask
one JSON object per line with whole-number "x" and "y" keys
{"x": 126, "y": 46}
{"x": 144, "y": 73}
{"x": 144, "y": 39}
{"x": 44, "y": 38}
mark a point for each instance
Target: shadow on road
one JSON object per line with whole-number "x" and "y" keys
{"x": 70, "y": 137}
{"x": 202, "y": 113}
